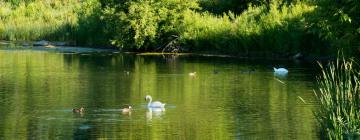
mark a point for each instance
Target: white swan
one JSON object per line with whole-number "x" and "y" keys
{"x": 280, "y": 71}
{"x": 155, "y": 104}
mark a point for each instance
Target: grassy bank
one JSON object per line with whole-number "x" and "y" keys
{"x": 253, "y": 28}
{"x": 38, "y": 20}
{"x": 339, "y": 95}
{"x": 277, "y": 29}
{"x": 66, "y": 20}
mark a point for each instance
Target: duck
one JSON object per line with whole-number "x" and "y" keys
{"x": 155, "y": 104}
{"x": 49, "y": 46}
{"x": 280, "y": 71}
{"x": 126, "y": 109}
{"x": 80, "y": 110}
{"x": 192, "y": 73}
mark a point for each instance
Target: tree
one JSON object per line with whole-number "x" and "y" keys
{"x": 339, "y": 22}
{"x": 144, "y": 24}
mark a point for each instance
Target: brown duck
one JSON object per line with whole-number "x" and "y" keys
{"x": 80, "y": 110}
{"x": 126, "y": 109}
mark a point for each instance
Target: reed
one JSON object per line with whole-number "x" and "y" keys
{"x": 339, "y": 95}
{"x": 37, "y": 20}
{"x": 259, "y": 29}
{"x": 54, "y": 20}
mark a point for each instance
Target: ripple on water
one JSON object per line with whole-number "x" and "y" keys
{"x": 39, "y": 90}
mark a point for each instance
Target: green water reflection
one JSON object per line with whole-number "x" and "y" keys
{"x": 224, "y": 100}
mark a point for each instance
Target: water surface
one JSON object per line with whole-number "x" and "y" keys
{"x": 229, "y": 98}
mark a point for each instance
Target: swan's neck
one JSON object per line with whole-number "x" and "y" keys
{"x": 150, "y": 100}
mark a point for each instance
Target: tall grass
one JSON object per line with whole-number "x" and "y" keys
{"x": 259, "y": 29}
{"x": 279, "y": 27}
{"x": 58, "y": 20}
{"x": 37, "y": 20}
{"x": 339, "y": 95}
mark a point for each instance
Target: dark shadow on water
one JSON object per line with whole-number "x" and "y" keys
{"x": 82, "y": 131}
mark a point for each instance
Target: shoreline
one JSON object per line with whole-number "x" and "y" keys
{"x": 87, "y": 49}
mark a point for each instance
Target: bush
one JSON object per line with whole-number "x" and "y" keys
{"x": 279, "y": 29}
{"x": 37, "y": 20}
{"x": 144, "y": 24}
{"x": 338, "y": 22}
{"x": 67, "y": 20}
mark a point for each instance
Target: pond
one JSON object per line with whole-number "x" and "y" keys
{"x": 228, "y": 98}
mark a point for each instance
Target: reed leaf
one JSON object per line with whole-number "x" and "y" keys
{"x": 339, "y": 96}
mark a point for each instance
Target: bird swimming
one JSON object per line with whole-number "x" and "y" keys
{"x": 80, "y": 110}
{"x": 155, "y": 104}
{"x": 280, "y": 71}
{"x": 126, "y": 109}
{"x": 192, "y": 73}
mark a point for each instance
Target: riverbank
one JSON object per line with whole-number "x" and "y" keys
{"x": 85, "y": 49}
{"x": 277, "y": 29}
{"x": 55, "y": 47}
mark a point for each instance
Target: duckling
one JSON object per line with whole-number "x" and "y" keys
{"x": 80, "y": 110}
{"x": 126, "y": 109}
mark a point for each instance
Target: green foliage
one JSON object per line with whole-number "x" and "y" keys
{"x": 66, "y": 20}
{"x": 35, "y": 20}
{"x": 89, "y": 29}
{"x": 237, "y": 27}
{"x": 279, "y": 29}
{"x": 17, "y": 2}
{"x": 339, "y": 94}
{"x": 144, "y": 23}
{"x": 338, "y": 22}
